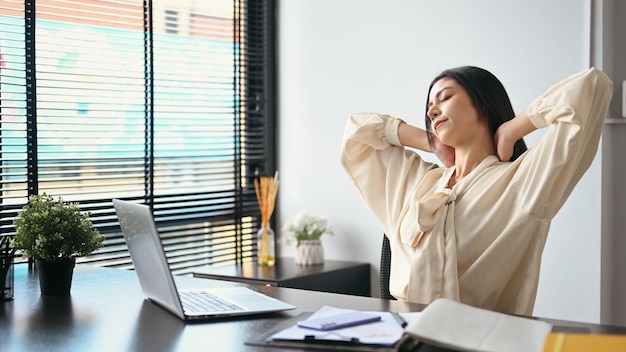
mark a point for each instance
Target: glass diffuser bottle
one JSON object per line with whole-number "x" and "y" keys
{"x": 266, "y": 188}
{"x": 266, "y": 241}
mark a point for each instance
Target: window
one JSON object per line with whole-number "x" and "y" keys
{"x": 168, "y": 103}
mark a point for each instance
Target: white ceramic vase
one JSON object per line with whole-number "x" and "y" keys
{"x": 309, "y": 252}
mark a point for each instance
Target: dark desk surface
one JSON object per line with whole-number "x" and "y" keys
{"x": 107, "y": 312}
{"x": 331, "y": 276}
{"x": 285, "y": 269}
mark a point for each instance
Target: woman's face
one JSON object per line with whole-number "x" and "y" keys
{"x": 454, "y": 119}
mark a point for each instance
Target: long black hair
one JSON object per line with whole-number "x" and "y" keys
{"x": 488, "y": 96}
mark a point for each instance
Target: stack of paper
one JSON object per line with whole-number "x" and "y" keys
{"x": 384, "y": 332}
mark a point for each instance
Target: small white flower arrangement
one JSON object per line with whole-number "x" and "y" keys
{"x": 306, "y": 226}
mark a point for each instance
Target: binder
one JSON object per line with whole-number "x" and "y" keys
{"x": 564, "y": 342}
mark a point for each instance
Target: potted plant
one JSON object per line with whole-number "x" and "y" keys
{"x": 53, "y": 232}
{"x": 307, "y": 228}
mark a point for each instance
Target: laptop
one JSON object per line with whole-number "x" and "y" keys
{"x": 157, "y": 282}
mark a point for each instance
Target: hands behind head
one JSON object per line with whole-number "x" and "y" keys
{"x": 504, "y": 147}
{"x": 505, "y": 138}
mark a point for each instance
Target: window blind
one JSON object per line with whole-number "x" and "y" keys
{"x": 167, "y": 103}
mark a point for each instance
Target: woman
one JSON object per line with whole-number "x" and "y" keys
{"x": 475, "y": 229}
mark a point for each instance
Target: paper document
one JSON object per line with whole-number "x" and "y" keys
{"x": 385, "y": 332}
{"x": 453, "y": 325}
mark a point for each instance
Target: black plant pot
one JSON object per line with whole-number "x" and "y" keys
{"x": 55, "y": 278}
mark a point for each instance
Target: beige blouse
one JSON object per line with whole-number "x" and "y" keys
{"x": 479, "y": 242}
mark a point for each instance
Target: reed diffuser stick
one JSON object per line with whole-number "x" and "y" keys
{"x": 266, "y": 189}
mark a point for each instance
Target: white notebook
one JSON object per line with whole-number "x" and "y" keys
{"x": 453, "y": 325}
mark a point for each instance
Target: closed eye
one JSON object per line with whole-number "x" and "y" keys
{"x": 441, "y": 96}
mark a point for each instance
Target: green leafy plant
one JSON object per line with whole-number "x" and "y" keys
{"x": 307, "y": 226}
{"x": 52, "y": 230}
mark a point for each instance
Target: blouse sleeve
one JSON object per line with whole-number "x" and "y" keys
{"x": 380, "y": 168}
{"x": 574, "y": 111}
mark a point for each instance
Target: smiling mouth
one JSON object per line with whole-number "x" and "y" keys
{"x": 438, "y": 123}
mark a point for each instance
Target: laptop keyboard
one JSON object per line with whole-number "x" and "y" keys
{"x": 200, "y": 301}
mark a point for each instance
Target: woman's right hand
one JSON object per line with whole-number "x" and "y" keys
{"x": 414, "y": 137}
{"x": 443, "y": 152}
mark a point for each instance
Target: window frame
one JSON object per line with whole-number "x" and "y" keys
{"x": 255, "y": 94}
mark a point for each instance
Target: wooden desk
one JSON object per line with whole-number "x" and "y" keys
{"x": 107, "y": 312}
{"x": 331, "y": 276}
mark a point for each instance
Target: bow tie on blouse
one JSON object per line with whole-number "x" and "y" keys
{"x": 430, "y": 208}
{"x": 429, "y": 211}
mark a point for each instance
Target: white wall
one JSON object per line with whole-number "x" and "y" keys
{"x": 343, "y": 56}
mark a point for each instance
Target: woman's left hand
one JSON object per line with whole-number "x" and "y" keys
{"x": 509, "y": 133}
{"x": 504, "y": 144}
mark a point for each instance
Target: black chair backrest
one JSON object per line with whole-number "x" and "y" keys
{"x": 385, "y": 267}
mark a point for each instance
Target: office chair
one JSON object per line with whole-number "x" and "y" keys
{"x": 385, "y": 266}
